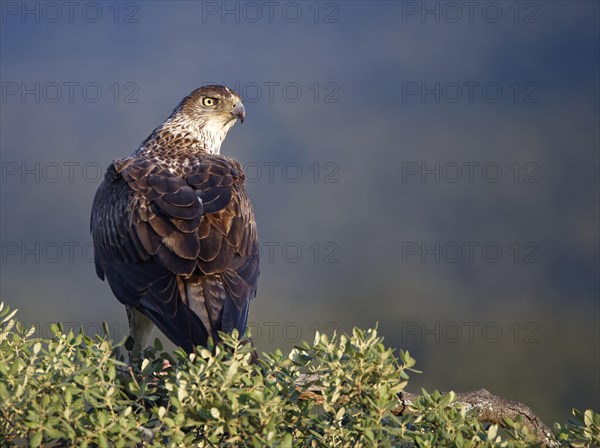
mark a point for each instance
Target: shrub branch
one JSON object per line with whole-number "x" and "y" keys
{"x": 491, "y": 408}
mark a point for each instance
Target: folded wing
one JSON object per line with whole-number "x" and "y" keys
{"x": 180, "y": 248}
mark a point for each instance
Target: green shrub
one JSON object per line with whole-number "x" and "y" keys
{"x": 72, "y": 390}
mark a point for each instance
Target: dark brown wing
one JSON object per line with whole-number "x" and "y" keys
{"x": 183, "y": 249}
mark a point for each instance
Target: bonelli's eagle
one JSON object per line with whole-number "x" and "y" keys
{"x": 173, "y": 227}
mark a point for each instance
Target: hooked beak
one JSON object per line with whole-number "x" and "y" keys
{"x": 239, "y": 111}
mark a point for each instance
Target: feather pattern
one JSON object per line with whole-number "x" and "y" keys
{"x": 173, "y": 227}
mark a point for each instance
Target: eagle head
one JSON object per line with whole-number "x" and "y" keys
{"x": 208, "y": 113}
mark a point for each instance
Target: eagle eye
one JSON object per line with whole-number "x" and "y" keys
{"x": 209, "y": 102}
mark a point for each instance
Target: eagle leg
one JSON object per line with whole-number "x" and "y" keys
{"x": 140, "y": 330}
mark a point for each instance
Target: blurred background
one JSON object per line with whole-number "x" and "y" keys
{"x": 428, "y": 167}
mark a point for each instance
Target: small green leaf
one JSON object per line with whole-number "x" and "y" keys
{"x": 287, "y": 441}
{"x": 36, "y": 440}
{"x": 145, "y": 364}
{"x": 588, "y": 417}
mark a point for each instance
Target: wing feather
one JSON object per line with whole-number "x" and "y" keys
{"x": 182, "y": 249}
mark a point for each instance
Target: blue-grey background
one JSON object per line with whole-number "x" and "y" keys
{"x": 431, "y": 167}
